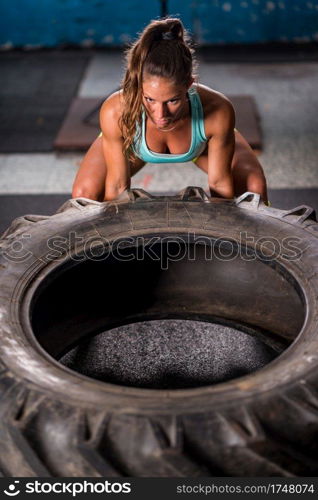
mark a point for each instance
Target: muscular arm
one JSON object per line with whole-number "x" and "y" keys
{"x": 220, "y": 151}
{"x": 117, "y": 166}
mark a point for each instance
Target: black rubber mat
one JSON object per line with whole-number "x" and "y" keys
{"x": 291, "y": 198}
{"x": 12, "y": 206}
{"x": 269, "y": 52}
{"x": 36, "y": 89}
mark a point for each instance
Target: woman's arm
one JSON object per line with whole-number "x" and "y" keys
{"x": 90, "y": 178}
{"x": 220, "y": 150}
{"x": 117, "y": 166}
{"x": 104, "y": 172}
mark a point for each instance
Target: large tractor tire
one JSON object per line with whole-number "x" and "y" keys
{"x": 73, "y": 275}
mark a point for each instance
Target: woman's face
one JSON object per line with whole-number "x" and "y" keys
{"x": 164, "y": 100}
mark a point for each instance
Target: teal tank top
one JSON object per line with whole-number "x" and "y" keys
{"x": 198, "y": 137}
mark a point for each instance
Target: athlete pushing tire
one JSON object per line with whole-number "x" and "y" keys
{"x": 163, "y": 115}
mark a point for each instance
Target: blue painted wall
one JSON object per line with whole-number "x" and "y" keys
{"x": 249, "y": 21}
{"x": 48, "y": 23}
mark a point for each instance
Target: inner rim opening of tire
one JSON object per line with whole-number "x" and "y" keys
{"x": 156, "y": 310}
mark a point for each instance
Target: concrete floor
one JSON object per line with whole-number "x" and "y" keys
{"x": 285, "y": 94}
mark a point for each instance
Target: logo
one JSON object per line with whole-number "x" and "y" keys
{"x": 12, "y": 490}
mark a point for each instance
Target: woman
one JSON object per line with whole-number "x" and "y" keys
{"x": 161, "y": 115}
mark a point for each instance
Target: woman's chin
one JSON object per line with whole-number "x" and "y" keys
{"x": 164, "y": 124}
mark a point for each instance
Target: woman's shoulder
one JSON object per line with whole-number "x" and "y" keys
{"x": 111, "y": 110}
{"x": 212, "y": 99}
{"x": 113, "y": 105}
{"x": 217, "y": 107}
{"x": 219, "y": 114}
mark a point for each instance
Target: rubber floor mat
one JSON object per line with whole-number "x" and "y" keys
{"x": 36, "y": 89}
{"x": 270, "y": 52}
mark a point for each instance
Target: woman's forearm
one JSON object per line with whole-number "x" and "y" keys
{"x": 223, "y": 188}
{"x": 114, "y": 187}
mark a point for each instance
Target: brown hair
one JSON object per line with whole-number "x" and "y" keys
{"x": 162, "y": 49}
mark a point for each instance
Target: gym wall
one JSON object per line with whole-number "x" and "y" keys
{"x": 50, "y": 23}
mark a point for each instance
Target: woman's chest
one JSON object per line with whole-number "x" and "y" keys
{"x": 176, "y": 141}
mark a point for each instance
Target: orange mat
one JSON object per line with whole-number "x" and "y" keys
{"x": 75, "y": 134}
